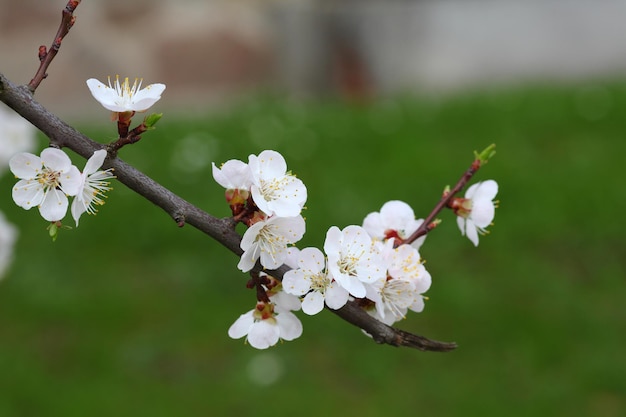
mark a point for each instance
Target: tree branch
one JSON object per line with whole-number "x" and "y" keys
{"x": 20, "y": 99}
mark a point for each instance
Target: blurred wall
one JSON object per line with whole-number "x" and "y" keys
{"x": 208, "y": 51}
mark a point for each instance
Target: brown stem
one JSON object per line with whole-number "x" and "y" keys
{"x": 429, "y": 223}
{"x": 131, "y": 137}
{"x": 222, "y": 230}
{"x": 46, "y": 57}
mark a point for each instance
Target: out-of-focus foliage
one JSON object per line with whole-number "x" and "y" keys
{"x": 127, "y": 315}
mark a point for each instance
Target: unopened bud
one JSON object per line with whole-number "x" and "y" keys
{"x": 486, "y": 154}
{"x": 53, "y": 230}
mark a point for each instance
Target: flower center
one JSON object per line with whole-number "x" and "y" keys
{"x": 125, "y": 91}
{"x": 271, "y": 189}
{"x": 347, "y": 265}
{"x": 48, "y": 178}
{"x": 319, "y": 282}
{"x": 462, "y": 206}
{"x": 268, "y": 240}
{"x": 396, "y": 295}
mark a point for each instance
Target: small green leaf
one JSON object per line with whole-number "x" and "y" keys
{"x": 152, "y": 119}
{"x": 486, "y": 154}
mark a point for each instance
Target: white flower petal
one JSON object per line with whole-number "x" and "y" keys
{"x": 78, "y": 207}
{"x": 241, "y": 326}
{"x": 272, "y": 259}
{"x": 460, "y": 221}
{"x": 336, "y": 296}
{"x": 250, "y": 236}
{"x": 422, "y": 284}
{"x": 56, "y": 160}
{"x": 312, "y": 260}
{"x": 269, "y": 164}
{"x": 95, "y": 161}
{"x": 486, "y": 190}
{"x": 263, "y": 334}
{"x": 418, "y": 305}
{"x": 374, "y": 225}
{"x": 54, "y": 206}
{"x": 353, "y": 285}
{"x": 397, "y": 215}
{"x": 289, "y": 325}
{"x": 104, "y": 94}
{"x": 71, "y": 181}
{"x": 284, "y": 301}
{"x": 471, "y": 231}
{"x": 292, "y": 257}
{"x": 27, "y": 193}
{"x": 247, "y": 261}
{"x": 233, "y": 175}
{"x": 332, "y": 244}
{"x": 295, "y": 282}
{"x": 483, "y": 213}
{"x": 313, "y": 303}
{"x": 25, "y": 165}
{"x": 146, "y": 97}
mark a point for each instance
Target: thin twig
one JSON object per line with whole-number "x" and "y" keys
{"x": 46, "y": 57}
{"x": 429, "y": 223}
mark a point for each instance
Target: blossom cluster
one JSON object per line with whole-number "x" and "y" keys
{"x": 267, "y": 198}
{"x": 377, "y": 264}
{"x": 370, "y": 263}
{"x": 46, "y": 182}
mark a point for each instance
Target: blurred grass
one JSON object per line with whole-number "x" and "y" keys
{"x": 127, "y": 315}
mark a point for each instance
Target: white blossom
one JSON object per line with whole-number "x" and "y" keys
{"x": 93, "y": 186}
{"x": 395, "y": 219}
{"x": 402, "y": 289}
{"x": 274, "y": 190}
{"x": 125, "y": 97}
{"x": 45, "y": 182}
{"x": 353, "y": 259}
{"x": 265, "y": 325}
{"x": 267, "y": 240}
{"x": 477, "y": 210}
{"x": 233, "y": 175}
{"x": 311, "y": 280}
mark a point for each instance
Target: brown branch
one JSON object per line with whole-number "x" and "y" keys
{"x": 46, "y": 57}
{"x": 20, "y": 99}
{"x": 381, "y": 333}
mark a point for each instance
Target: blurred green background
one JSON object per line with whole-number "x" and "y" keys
{"x": 127, "y": 314}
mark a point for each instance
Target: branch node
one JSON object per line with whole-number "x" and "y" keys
{"x": 179, "y": 218}
{"x": 43, "y": 52}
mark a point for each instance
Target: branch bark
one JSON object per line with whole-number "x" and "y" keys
{"x": 20, "y": 99}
